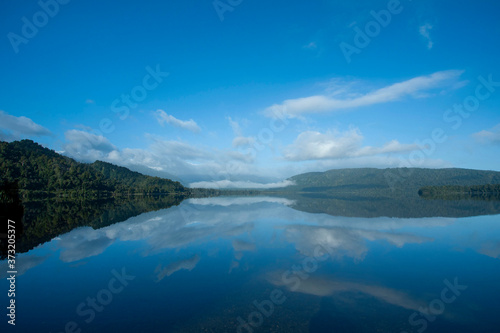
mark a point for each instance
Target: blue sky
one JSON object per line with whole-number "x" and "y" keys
{"x": 243, "y": 93}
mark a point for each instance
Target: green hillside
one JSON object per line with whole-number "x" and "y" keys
{"x": 396, "y": 192}
{"x": 388, "y": 182}
{"x": 35, "y": 170}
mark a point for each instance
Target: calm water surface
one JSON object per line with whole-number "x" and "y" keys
{"x": 255, "y": 264}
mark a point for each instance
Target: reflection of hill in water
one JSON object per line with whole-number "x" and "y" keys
{"x": 402, "y": 206}
{"x": 44, "y": 220}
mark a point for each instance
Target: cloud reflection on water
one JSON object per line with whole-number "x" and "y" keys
{"x": 198, "y": 221}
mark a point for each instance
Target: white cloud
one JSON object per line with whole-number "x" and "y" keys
{"x": 239, "y": 140}
{"x": 87, "y": 146}
{"x": 312, "y": 145}
{"x": 242, "y": 141}
{"x": 239, "y": 184}
{"x": 375, "y": 161}
{"x": 14, "y": 128}
{"x": 326, "y": 103}
{"x": 178, "y": 148}
{"x": 164, "y": 158}
{"x": 235, "y": 126}
{"x": 202, "y": 166}
{"x": 491, "y": 136}
{"x": 391, "y": 147}
{"x": 189, "y": 125}
{"x": 6, "y": 136}
{"x": 424, "y": 32}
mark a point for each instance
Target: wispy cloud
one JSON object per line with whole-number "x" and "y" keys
{"x": 87, "y": 146}
{"x": 235, "y": 126}
{"x": 414, "y": 87}
{"x": 239, "y": 140}
{"x": 311, "y": 46}
{"x": 243, "y": 141}
{"x": 374, "y": 161}
{"x": 424, "y": 32}
{"x": 491, "y": 136}
{"x": 162, "y": 117}
{"x": 312, "y": 145}
{"x": 13, "y": 128}
{"x": 208, "y": 167}
{"x": 163, "y": 158}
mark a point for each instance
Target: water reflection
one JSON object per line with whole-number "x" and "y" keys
{"x": 200, "y": 266}
{"x": 342, "y": 241}
{"x": 401, "y": 205}
{"x": 206, "y": 219}
{"x": 44, "y": 220}
{"x": 196, "y": 220}
{"x": 187, "y": 264}
{"x": 490, "y": 249}
{"x": 329, "y": 286}
{"x": 40, "y": 221}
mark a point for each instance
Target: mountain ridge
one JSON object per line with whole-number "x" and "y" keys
{"x": 29, "y": 167}
{"x": 389, "y": 181}
{"x": 32, "y": 168}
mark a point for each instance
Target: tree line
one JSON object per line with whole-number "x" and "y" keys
{"x": 37, "y": 171}
{"x": 456, "y": 192}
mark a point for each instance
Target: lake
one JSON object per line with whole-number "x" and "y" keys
{"x": 262, "y": 264}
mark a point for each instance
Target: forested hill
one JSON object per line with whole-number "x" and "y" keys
{"x": 34, "y": 169}
{"x": 376, "y": 182}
